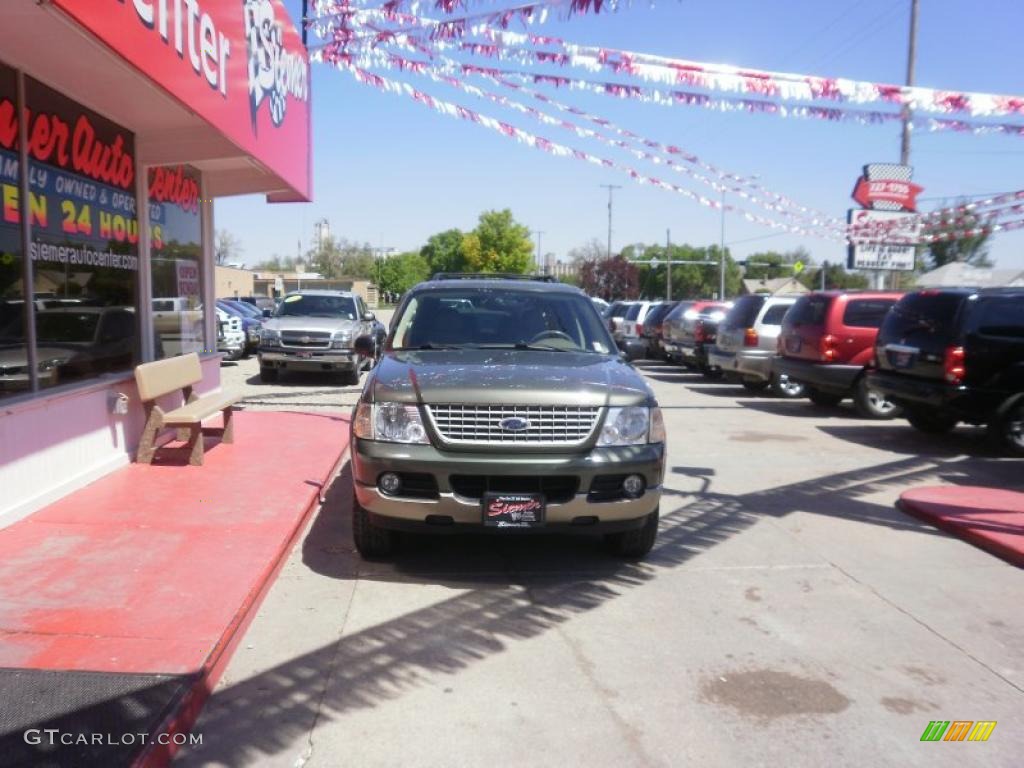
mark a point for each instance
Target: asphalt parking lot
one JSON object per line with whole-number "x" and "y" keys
{"x": 788, "y": 615}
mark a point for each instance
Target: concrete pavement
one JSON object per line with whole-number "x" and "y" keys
{"x": 789, "y": 615}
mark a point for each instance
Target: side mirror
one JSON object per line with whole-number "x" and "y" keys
{"x": 369, "y": 316}
{"x": 364, "y": 346}
{"x": 267, "y": 313}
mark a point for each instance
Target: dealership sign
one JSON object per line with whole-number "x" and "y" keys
{"x": 895, "y": 253}
{"x": 238, "y": 64}
{"x": 887, "y": 187}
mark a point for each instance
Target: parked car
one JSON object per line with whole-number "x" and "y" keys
{"x": 747, "y": 341}
{"x": 689, "y": 335}
{"x": 828, "y": 342}
{"x": 652, "y": 328}
{"x": 314, "y": 331}
{"x": 956, "y": 355}
{"x": 600, "y": 305}
{"x": 617, "y": 319}
{"x": 263, "y": 303}
{"x": 71, "y": 343}
{"x": 232, "y": 342}
{"x": 502, "y": 405}
{"x": 632, "y": 323}
{"x": 251, "y": 324}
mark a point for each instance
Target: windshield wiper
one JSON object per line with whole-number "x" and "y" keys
{"x": 526, "y": 346}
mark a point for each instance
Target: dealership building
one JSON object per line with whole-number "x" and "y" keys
{"x": 120, "y": 122}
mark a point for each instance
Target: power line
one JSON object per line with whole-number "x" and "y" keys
{"x": 816, "y": 37}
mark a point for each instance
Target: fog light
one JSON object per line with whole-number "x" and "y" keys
{"x": 633, "y": 486}
{"x": 389, "y": 483}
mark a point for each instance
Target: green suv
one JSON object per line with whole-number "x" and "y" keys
{"x": 501, "y": 404}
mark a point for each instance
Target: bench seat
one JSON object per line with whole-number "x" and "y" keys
{"x": 197, "y": 410}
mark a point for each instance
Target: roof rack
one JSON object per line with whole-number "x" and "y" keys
{"x": 491, "y": 276}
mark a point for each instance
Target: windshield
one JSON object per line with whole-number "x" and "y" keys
{"x": 246, "y": 309}
{"x": 313, "y": 305}
{"x": 66, "y": 326}
{"x": 494, "y": 318}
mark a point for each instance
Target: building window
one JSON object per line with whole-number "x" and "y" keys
{"x": 14, "y": 376}
{"x": 175, "y": 245}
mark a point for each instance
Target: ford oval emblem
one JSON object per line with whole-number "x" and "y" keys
{"x": 514, "y": 424}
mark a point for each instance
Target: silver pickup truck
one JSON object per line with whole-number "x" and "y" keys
{"x": 314, "y": 331}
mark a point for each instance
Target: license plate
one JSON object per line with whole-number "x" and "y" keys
{"x": 793, "y": 344}
{"x": 901, "y": 357}
{"x": 305, "y": 355}
{"x": 513, "y": 510}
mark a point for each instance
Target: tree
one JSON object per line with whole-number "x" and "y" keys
{"x": 610, "y": 279}
{"x": 276, "y": 263}
{"x": 443, "y": 252}
{"x": 227, "y": 247}
{"x": 971, "y": 250}
{"x": 498, "y": 244}
{"x": 402, "y": 271}
{"x": 337, "y": 257}
{"x": 592, "y": 250}
{"x": 689, "y": 281}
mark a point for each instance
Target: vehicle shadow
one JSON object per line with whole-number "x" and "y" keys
{"x": 805, "y": 409}
{"x": 302, "y": 380}
{"x": 899, "y": 437}
{"x": 513, "y": 590}
{"x": 733, "y": 390}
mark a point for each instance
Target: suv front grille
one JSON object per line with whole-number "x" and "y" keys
{"x": 306, "y": 339}
{"x": 545, "y": 424}
{"x": 557, "y": 489}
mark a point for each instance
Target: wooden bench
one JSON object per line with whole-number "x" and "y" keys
{"x": 163, "y": 377}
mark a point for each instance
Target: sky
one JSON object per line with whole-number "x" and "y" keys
{"x": 391, "y": 172}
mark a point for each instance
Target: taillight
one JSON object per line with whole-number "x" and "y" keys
{"x": 698, "y": 332}
{"x": 955, "y": 365}
{"x": 829, "y": 347}
{"x": 639, "y": 329}
{"x": 750, "y": 338}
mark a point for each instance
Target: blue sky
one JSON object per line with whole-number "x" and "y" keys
{"x": 392, "y": 172}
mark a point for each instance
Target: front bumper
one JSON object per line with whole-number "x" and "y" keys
{"x": 319, "y": 360}
{"x": 834, "y": 378}
{"x": 747, "y": 363}
{"x": 371, "y": 458}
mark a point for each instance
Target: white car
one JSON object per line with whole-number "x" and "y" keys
{"x": 231, "y": 339}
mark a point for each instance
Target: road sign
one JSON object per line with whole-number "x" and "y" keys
{"x": 902, "y": 230}
{"x": 798, "y": 267}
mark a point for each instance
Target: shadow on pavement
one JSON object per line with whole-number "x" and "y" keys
{"x": 803, "y": 409}
{"x": 899, "y": 437}
{"x": 516, "y": 589}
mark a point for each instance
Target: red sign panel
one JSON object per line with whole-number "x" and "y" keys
{"x": 902, "y": 193}
{"x": 239, "y": 64}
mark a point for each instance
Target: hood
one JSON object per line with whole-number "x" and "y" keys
{"x": 508, "y": 377}
{"x": 300, "y": 323}
{"x": 17, "y": 356}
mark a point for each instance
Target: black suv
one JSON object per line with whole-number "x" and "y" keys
{"x": 955, "y": 355}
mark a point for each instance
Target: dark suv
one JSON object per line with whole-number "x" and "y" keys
{"x": 503, "y": 405}
{"x": 828, "y": 341}
{"x": 955, "y": 355}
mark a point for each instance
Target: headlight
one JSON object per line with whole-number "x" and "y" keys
{"x": 389, "y": 423}
{"x": 342, "y": 340}
{"x": 270, "y": 338}
{"x": 634, "y": 425}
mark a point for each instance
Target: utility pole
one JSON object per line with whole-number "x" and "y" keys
{"x": 538, "y": 267}
{"x": 824, "y": 270}
{"x": 911, "y": 58}
{"x": 721, "y": 253}
{"x": 611, "y": 188}
{"x": 668, "y": 265}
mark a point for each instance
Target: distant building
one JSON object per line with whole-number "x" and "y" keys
{"x": 232, "y": 281}
{"x": 560, "y": 269}
{"x": 958, "y": 273}
{"x": 774, "y": 285}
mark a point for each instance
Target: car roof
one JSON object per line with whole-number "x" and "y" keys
{"x": 536, "y": 286}
{"x": 347, "y": 294}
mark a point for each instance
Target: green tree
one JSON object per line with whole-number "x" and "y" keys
{"x": 337, "y": 257}
{"x": 443, "y": 252}
{"x": 498, "y": 244}
{"x": 971, "y": 250}
{"x": 689, "y": 281}
{"x": 402, "y": 271}
{"x": 276, "y": 263}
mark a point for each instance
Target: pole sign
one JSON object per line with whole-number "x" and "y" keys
{"x": 888, "y": 200}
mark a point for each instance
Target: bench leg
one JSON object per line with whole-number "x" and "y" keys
{"x": 195, "y": 445}
{"x": 228, "y": 436}
{"x": 147, "y": 443}
{"x": 183, "y": 434}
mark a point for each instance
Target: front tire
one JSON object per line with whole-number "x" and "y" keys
{"x": 1008, "y": 429}
{"x": 931, "y": 422}
{"x": 823, "y": 399}
{"x": 871, "y": 404}
{"x": 372, "y": 542}
{"x": 268, "y": 375}
{"x": 635, "y": 544}
{"x": 754, "y": 385}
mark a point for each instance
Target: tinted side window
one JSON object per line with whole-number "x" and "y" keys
{"x": 774, "y": 314}
{"x": 633, "y": 312}
{"x": 744, "y": 312}
{"x": 1001, "y": 316}
{"x": 866, "y": 313}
